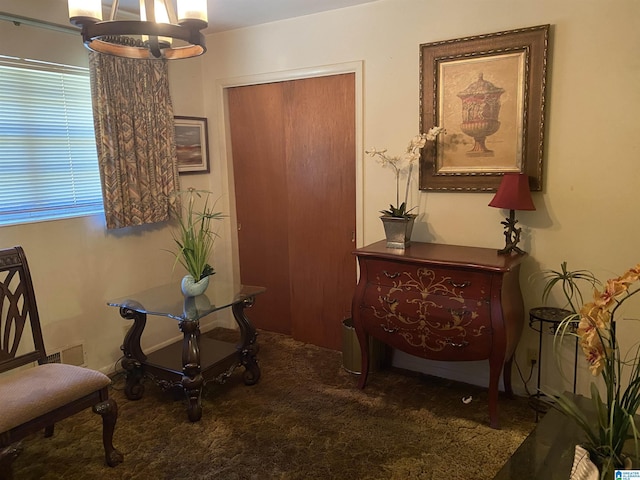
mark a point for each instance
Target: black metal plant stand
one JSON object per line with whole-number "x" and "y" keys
{"x": 547, "y": 320}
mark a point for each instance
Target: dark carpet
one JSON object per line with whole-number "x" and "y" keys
{"x": 305, "y": 419}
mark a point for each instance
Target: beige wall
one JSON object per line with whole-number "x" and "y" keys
{"x": 585, "y": 215}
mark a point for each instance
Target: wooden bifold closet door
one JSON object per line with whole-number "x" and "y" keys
{"x": 293, "y": 146}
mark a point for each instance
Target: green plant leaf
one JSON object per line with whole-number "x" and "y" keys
{"x": 194, "y": 237}
{"x": 569, "y": 283}
{"x": 399, "y": 212}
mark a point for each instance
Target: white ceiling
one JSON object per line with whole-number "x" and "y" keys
{"x": 232, "y": 14}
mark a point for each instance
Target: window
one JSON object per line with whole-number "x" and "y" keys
{"x": 48, "y": 160}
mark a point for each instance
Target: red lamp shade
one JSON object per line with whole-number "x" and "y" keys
{"x": 513, "y": 193}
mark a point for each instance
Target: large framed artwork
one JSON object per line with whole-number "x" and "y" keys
{"x": 488, "y": 93}
{"x": 192, "y": 145}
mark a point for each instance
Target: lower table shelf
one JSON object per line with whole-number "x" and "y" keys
{"x": 216, "y": 357}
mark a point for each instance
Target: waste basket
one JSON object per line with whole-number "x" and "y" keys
{"x": 351, "y": 360}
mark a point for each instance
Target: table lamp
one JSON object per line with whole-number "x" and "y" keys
{"x": 513, "y": 194}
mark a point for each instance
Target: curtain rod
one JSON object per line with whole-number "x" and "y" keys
{"x": 33, "y": 22}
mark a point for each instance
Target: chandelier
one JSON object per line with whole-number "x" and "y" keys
{"x": 159, "y": 33}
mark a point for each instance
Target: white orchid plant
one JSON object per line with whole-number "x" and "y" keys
{"x": 401, "y": 164}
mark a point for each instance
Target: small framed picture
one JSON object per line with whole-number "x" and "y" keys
{"x": 192, "y": 144}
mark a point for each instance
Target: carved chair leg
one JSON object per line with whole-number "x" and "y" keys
{"x": 48, "y": 430}
{"x": 7, "y": 456}
{"x": 109, "y": 412}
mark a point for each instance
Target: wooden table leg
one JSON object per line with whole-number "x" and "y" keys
{"x": 133, "y": 354}
{"x": 248, "y": 348}
{"x": 192, "y": 377}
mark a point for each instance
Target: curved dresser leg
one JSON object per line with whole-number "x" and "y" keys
{"x": 363, "y": 339}
{"x": 495, "y": 368}
{"x": 506, "y": 378}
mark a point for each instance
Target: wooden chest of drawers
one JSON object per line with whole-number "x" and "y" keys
{"x": 441, "y": 302}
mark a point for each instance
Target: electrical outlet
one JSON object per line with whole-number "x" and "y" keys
{"x": 532, "y": 356}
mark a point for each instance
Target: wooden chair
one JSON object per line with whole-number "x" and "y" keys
{"x": 35, "y": 398}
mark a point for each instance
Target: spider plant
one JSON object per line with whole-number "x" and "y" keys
{"x": 195, "y": 236}
{"x": 569, "y": 281}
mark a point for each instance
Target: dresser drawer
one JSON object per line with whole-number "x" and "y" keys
{"x": 397, "y": 301}
{"x": 428, "y": 280}
{"x": 436, "y": 338}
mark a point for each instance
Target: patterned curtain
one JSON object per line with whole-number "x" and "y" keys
{"x": 133, "y": 118}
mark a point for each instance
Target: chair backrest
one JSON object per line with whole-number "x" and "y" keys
{"x": 18, "y": 313}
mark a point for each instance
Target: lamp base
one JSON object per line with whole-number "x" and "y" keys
{"x": 511, "y": 235}
{"x": 511, "y": 248}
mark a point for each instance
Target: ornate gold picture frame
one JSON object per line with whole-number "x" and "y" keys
{"x": 488, "y": 92}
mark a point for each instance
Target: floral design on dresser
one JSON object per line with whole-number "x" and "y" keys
{"x": 430, "y": 310}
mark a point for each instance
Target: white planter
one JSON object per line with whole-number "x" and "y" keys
{"x": 191, "y": 288}
{"x": 195, "y": 306}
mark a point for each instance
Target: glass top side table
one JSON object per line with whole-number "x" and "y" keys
{"x": 190, "y": 363}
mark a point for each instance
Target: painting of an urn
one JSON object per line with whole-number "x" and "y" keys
{"x": 480, "y": 111}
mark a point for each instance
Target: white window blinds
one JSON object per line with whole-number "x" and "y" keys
{"x": 48, "y": 160}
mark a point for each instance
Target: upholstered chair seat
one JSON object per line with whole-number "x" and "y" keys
{"x": 43, "y": 389}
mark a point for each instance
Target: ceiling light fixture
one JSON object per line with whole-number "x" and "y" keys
{"x": 159, "y": 33}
